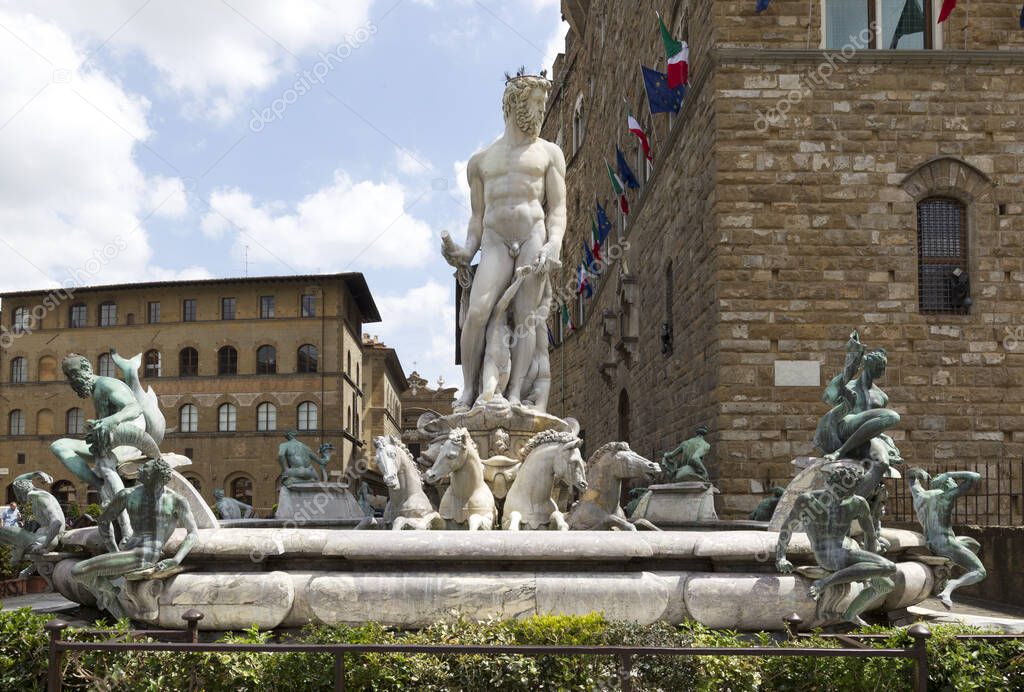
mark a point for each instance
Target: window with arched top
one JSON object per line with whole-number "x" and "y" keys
{"x": 266, "y": 360}
{"x": 74, "y": 421}
{"x": 188, "y": 418}
{"x": 266, "y": 417}
{"x": 578, "y": 125}
{"x": 242, "y": 489}
{"x": 48, "y": 369}
{"x": 108, "y": 314}
{"x": 227, "y": 418}
{"x": 188, "y": 362}
{"x": 105, "y": 366}
{"x": 348, "y": 363}
{"x": 307, "y": 416}
{"x": 151, "y": 363}
{"x": 16, "y": 422}
{"x": 227, "y": 361}
{"x": 942, "y": 256}
{"x": 309, "y": 358}
{"x": 194, "y": 482}
{"x": 65, "y": 493}
{"x": 19, "y": 369}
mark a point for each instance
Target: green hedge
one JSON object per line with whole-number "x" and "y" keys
{"x": 955, "y": 665}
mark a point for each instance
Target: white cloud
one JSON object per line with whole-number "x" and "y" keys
{"x": 420, "y": 324}
{"x": 167, "y": 197}
{"x": 345, "y": 224}
{"x": 70, "y": 189}
{"x": 215, "y": 53}
{"x": 413, "y": 163}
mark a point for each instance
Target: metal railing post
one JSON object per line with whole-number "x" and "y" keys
{"x": 625, "y": 668}
{"x": 339, "y": 670}
{"x": 192, "y": 617}
{"x": 920, "y": 634}
{"x": 55, "y": 663}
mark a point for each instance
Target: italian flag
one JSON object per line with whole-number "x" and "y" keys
{"x": 634, "y": 127}
{"x": 678, "y": 54}
{"x": 566, "y": 318}
{"x": 617, "y": 187}
{"x": 947, "y": 9}
{"x": 597, "y": 239}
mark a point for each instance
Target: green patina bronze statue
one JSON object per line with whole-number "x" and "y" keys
{"x": 46, "y": 511}
{"x": 766, "y": 507}
{"x": 155, "y": 512}
{"x": 859, "y": 412}
{"x": 826, "y": 516}
{"x": 691, "y": 465}
{"x": 933, "y": 503}
{"x": 230, "y": 508}
{"x": 297, "y": 461}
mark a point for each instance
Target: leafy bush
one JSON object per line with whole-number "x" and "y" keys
{"x": 7, "y": 570}
{"x": 955, "y": 664}
{"x": 93, "y": 510}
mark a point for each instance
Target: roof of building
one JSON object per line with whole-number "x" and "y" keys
{"x": 355, "y": 282}
{"x": 371, "y": 345}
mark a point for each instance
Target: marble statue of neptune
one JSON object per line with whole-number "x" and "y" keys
{"x": 517, "y": 193}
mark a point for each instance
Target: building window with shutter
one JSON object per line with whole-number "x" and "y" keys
{"x": 942, "y": 281}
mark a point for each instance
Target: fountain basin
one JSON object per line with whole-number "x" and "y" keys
{"x": 287, "y": 577}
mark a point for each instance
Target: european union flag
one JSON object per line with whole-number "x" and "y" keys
{"x": 588, "y": 260}
{"x": 660, "y": 98}
{"x": 624, "y": 171}
{"x": 762, "y": 5}
{"x": 1022, "y": 17}
{"x": 604, "y": 224}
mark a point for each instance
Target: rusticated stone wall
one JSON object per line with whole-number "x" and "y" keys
{"x": 785, "y": 195}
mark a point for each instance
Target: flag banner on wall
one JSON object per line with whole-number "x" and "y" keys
{"x": 617, "y": 187}
{"x": 566, "y": 317}
{"x": 604, "y": 224}
{"x": 551, "y": 337}
{"x": 634, "y": 126}
{"x": 677, "y": 56}
{"x": 1022, "y": 17}
{"x": 584, "y": 289}
{"x": 762, "y": 5}
{"x": 660, "y": 98}
{"x": 947, "y": 9}
{"x": 596, "y": 239}
{"x": 588, "y": 258}
{"x": 912, "y": 21}
{"x": 625, "y": 172}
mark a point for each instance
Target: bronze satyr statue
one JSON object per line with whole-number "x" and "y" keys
{"x": 155, "y": 511}
{"x": 46, "y": 511}
{"x": 826, "y": 516}
{"x": 297, "y": 461}
{"x": 933, "y": 503}
{"x": 230, "y": 508}
{"x": 859, "y": 412}
{"x": 766, "y": 507}
{"x": 691, "y": 467}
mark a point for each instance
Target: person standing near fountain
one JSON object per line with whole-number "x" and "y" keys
{"x": 933, "y": 503}
{"x": 517, "y": 194}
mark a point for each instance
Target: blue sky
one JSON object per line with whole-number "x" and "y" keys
{"x": 148, "y": 140}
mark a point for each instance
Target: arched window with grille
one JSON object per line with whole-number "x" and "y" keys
{"x": 266, "y": 360}
{"x": 65, "y": 493}
{"x": 74, "y": 421}
{"x": 188, "y": 362}
{"x": 105, "y": 366}
{"x": 19, "y": 369}
{"x": 16, "y": 422}
{"x": 266, "y": 417}
{"x": 242, "y": 489}
{"x": 307, "y": 416}
{"x": 942, "y": 281}
{"x": 227, "y": 418}
{"x": 227, "y": 361}
{"x": 195, "y": 482}
{"x": 309, "y": 358}
{"x": 188, "y": 418}
{"x": 151, "y": 363}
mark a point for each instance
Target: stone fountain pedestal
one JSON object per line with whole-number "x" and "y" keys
{"x": 677, "y": 503}
{"x": 302, "y": 502}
